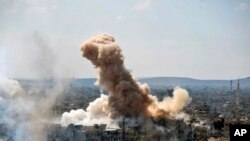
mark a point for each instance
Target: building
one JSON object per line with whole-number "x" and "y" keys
{"x": 54, "y": 132}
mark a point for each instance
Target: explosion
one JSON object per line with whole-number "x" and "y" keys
{"x": 127, "y": 97}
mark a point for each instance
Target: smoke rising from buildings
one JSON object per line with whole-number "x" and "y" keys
{"x": 15, "y": 109}
{"x": 127, "y": 97}
{"x": 96, "y": 113}
{"x": 24, "y": 111}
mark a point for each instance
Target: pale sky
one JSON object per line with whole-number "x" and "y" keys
{"x": 203, "y": 39}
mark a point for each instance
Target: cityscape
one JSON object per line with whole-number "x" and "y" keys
{"x": 210, "y": 112}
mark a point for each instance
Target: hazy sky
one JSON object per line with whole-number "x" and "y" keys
{"x": 204, "y": 39}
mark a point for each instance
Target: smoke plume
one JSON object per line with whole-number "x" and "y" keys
{"x": 127, "y": 97}
{"x": 96, "y": 113}
{"x": 24, "y": 112}
{"x": 25, "y": 109}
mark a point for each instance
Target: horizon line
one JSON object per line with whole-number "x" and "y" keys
{"x": 139, "y": 78}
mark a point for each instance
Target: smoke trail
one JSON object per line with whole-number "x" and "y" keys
{"x": 24, "y": 111}
{"x": 43, "y": 54}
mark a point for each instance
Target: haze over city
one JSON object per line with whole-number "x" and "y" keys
{"x": 198, "y": 39}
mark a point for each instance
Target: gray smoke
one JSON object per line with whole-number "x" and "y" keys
{"x": 24, "y": 111}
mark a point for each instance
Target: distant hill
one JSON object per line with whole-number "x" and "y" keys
{"x": 174, "y": 81}
{"x": 154, "y": 82}
{"x": 189, "y": 82}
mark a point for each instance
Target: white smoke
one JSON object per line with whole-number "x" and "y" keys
{"x": 183, "y": 116}
{"x": 202, "y": 124}
{"x": 10, "y": 87}
{"x": 15, "y": 107}
{"x": 96, "y": 113}
{"x": 25, "y": 111}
